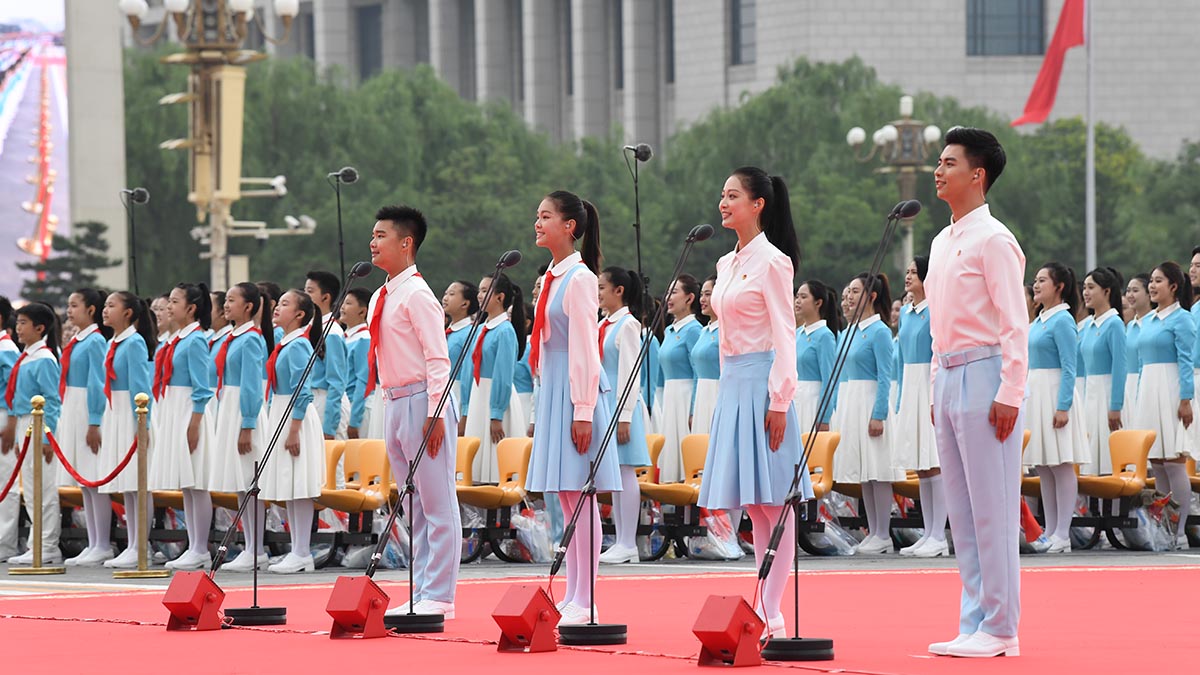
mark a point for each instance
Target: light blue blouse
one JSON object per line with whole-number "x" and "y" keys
{"x": 870, "y": 358}
{"x": 1170, "y": 338}
{"x": 1103, "y": 344}
{"x": 816, "y": 351}
{"x": 289, "y": 366}
{"x": 87, "y": 371}
{"x": 1054, "y": 343}
{"x": 706, "y": 354}
{"x": 499, "y": 364}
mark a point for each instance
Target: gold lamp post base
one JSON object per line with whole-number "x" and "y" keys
{"x": 141, "y": 574}
{"x": 32, "y": 571}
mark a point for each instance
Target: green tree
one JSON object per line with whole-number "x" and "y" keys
{"x": 74, "y": 265}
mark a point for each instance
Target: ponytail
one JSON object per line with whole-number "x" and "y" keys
{"x": 1063, "y": 275}
{"x": 41, "y": 314}
{"x": 311, "y": 315}
{"x": 619, "y": 277}
{"x": 142, "y": 319}
{"x": 587, "y": 225}
{"x": 94, "y": 300}
{"x": 776, "y": 217}
{"x": 882, "y": 304}
{"x": 516, "y": 302}
{"x": 198, "y": 296}
{"x": 1110, "y": 280}
{"x": 830, "y": 312}
{"x": 688, "y": 284}
{"x": 252, "y": 294}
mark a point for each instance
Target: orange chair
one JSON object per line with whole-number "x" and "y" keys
{"x": 364, "y": 461}
{"x": 820, "y": 461}
{"x": 464, "y": 460}
{"x": 512, "y": 458}
{"x": 1128, "y": 449}
{"x": 695, "y": 449}
{"x": 655, "y": 443}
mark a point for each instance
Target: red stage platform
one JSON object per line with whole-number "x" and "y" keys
{"x": 1086, "y": 620}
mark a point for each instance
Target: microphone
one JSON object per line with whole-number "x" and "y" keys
{"x": 895, "y": 213}
{"x": 642, "y": 151}
{"x": 346, "y": 174}
{"x": 361, "y": 269}
{"x": 909, "y": 208}
{"x": 509, "y": 259}
{"x": 700, "y": 233}
{"x": 138, "y": 195}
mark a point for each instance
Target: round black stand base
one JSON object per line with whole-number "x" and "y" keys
{"x": 592, "y": 634}
{"x": 416, "y": 623}
{"x": 257, "y": 616}
{"x": 798, "y": 649}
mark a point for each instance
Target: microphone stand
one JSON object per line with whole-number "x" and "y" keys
{"x": 127, "y": 200}
{"x": 413, "y": 622}
{"x": 593, "y": 633}
{"x": 255, "y": 615}
{"x": 637, "y": 245}
{"x": 337, "y": 189}
{"x": 797, "y": 648}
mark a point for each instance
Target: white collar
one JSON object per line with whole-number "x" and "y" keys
{"x": 31, "y": 349}
{"x": 1164, "y": 312}
{"x": 124, "y": 334}
{"x": 612, "y": 318}
{"x": 499, "y": 319}
{"x": 223, "y": 331}
{"x": 867, "y": 322}
{"x": 566, "y": 264}
{"x": 919, "y": 307}
{"x": 243, "y": 329}
{"x": 326, "y": 318}
{"x": 1047, "y": 313}
{"x": 712, "y": 326}
{"x": 165, "y": 336}
{"x": 355, "y": 330}
{"x": 188, "y": 330}
{"x": 84, "y": 332}
{"x": 460, "y": 324}
{"x": 680, "y": 323}
{"x": 292, "y": 336}
{"x": 1112, "y": 311}
{"x": 815, "y": 326}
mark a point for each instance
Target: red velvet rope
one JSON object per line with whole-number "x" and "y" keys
{"x": 16, "y": 469}
{"x": 83, "y": 481}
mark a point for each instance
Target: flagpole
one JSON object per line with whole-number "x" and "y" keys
{"x": 1090, "y": 170}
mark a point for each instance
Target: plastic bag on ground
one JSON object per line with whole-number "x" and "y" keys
{"x": 720, "y": 542}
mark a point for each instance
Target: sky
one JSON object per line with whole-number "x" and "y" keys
{"x": 49, "y": 12}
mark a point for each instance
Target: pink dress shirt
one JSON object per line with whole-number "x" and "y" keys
{"x": 752, "y": 298}
{"x": 976, "y": 293}
{"x": 412, "y": 340}
{"x": 581, "y": 304}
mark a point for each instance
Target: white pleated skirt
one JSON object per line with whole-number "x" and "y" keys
{"x": 229, "y": 471}
{"x": 485, "y": 468}
{"x": 677, "y": 407}
{"x": 1131, "y": 395}
{"x": 175, "y": 466}
{"x": 288, "y": 477}
{"x": 372, "y": 425}
{"x": 320, "y": 396}
{"x": 807, "y": 399}
{"x": 526, "y": 401}
{"x": 706, "y": 405}
{"x": 1157, "y": 410}
{"x": 656, "y": 413}
{"x": 71, "y": 435}
{"x": 118, "y": 429}
{"x": 860, "y": 457}
{"x": 912, "y": 430}
{"x": 1096, "y": 398}
{"x": 1049, "y": 446}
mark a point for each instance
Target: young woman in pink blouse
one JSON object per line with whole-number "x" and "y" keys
{"x": 754, "y": 441}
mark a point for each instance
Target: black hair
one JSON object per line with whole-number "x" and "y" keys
{"x": 982, "y": 149}
{"x": 883, "y": 294}
{"x": 471, "y": 292}
{"x": 619, "y": 277}
{"x": 1110, "y": 280}
{"x": 541, "y": 271}
{"x": 776, "y": 216}
{"x": 831, "y": 310}
{"x": 922, "y": 264}
{"x": 587, "y": 224}
{"x": 6, "y": 313}
{"x": 93, "y": 299}
{"x": 529, "y": 310}
{"x": 1195, "y": 250}
{"x": 252, "y": 295}
{"x": 361, "y": 295}
{"x": 688, "y": 284}
{"x": 514, "y": 300}
{"x": 141, "y": 318}
{"x": 41, "y": 314}
{"x": 1063, "y": 275}
{"x": 197, "y": 294}
{"x": 312, "y": 316}
{"x": 327, "y": 282}
{"x": 1176, "y": 277}
{"x": 409, "y": 221}
{"x": 273, "y": 290}
{"x": 658, "y": 328}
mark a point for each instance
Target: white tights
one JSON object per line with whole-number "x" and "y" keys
{"x": 580, "y": 557}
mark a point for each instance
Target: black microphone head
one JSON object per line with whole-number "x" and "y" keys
{"x": 909, "y": 208}
{"x": 509, "y": 259}
{"x": 139, "y": 195}
{"x": 348, "y": 174}
{"x": 361, "y": 269}
{"x": 896, "y": 209}
{"x": 643, "y": 152}
{"x": 701, "y": 232}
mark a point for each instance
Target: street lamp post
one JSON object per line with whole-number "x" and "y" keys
{"x": 904, "y": 146}
{"x": 213, "y": 32}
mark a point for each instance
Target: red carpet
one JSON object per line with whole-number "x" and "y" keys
{"x": 1087, "y": 620}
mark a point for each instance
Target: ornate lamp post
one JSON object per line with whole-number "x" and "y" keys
{"x": 903, "y": 146}
{"x": 213, "y": 32}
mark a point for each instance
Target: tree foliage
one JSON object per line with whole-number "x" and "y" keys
{"x": 73, "y": 265}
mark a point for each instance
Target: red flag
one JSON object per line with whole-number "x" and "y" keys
{"x": 1068, "y": 33}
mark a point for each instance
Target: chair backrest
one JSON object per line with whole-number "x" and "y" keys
{"x": 695, "y": 451}
{"x": 1025, "y": 440}
{"x": 351, "y": 455}
{"x": 655, "y": 443}
{"x": 372, "y": 465}
{"x": 1128, "y": 449}
{"x": 333, "y": 454}
{"x": 468, "y": 446}
{"x": 820, "y": 461}
{"x": 512, "y": 459}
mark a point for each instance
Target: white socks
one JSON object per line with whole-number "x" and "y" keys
{"x": 934, "y": 510}
{"x": 300, "y": 519}
{"x": 197, "y": 517}
{"x": 131, "y": 516}
{"x": 877, "y": 498}
{"x": 1180, "y": 487}
{"x": 254, "y": 538}
{"x": 579, "y": 557}
{"x": 97, "y": 513}
{"x": 627, "y": 506}
{"x": 764, "y": 518}
{"x": 1060, "y": 490}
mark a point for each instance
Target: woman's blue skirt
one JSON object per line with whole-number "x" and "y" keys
{"x": 740, "y": 468}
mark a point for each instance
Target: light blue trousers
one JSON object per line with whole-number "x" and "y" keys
{"x": 436, "y": 522}
{"x": 982, "y": 477}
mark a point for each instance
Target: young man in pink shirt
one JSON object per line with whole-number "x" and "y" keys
{"x": 980, "y": 329}
{"x": 409, "y": 355}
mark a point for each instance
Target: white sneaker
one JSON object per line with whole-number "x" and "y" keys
{"x": 561, "y": 605}
{"x": 619, "y": 554}
{"x": 576, "y": 615}
{"x": 1181, "y": 542}
{"x": 427, "y": 607}
{"x": 293, "y": 564}
{"x": 245, "y": 562}
{"x": 74, "y": 560}
{"x": 26, "y": 558}
{"x": 932, "y": 549}
{"x": 127, "y": 560}
{"x": 190, "y": 560}
{"x": 981, "y": 645}
{"x": 942, "y": 648}
{"x": 775, "y": 628}
{"x": 873, "y": 544}
{"x": 397, "y": 611}
{"x": 908, "y": 550}
{"x": 1058, "y": 545}
{"x": 97, "y": 557}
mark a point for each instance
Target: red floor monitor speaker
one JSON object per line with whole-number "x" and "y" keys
{"x": 194, "y": 601}
{"x": 357, "y": 605}
{"x": 729, "y": 632}
{"x": 527, "y": 618}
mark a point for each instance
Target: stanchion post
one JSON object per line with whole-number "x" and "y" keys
{"x": 37, "y": 430}
{"x": 143, "y": 570}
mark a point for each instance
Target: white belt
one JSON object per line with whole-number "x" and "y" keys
{"x": 956, "y": 359}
